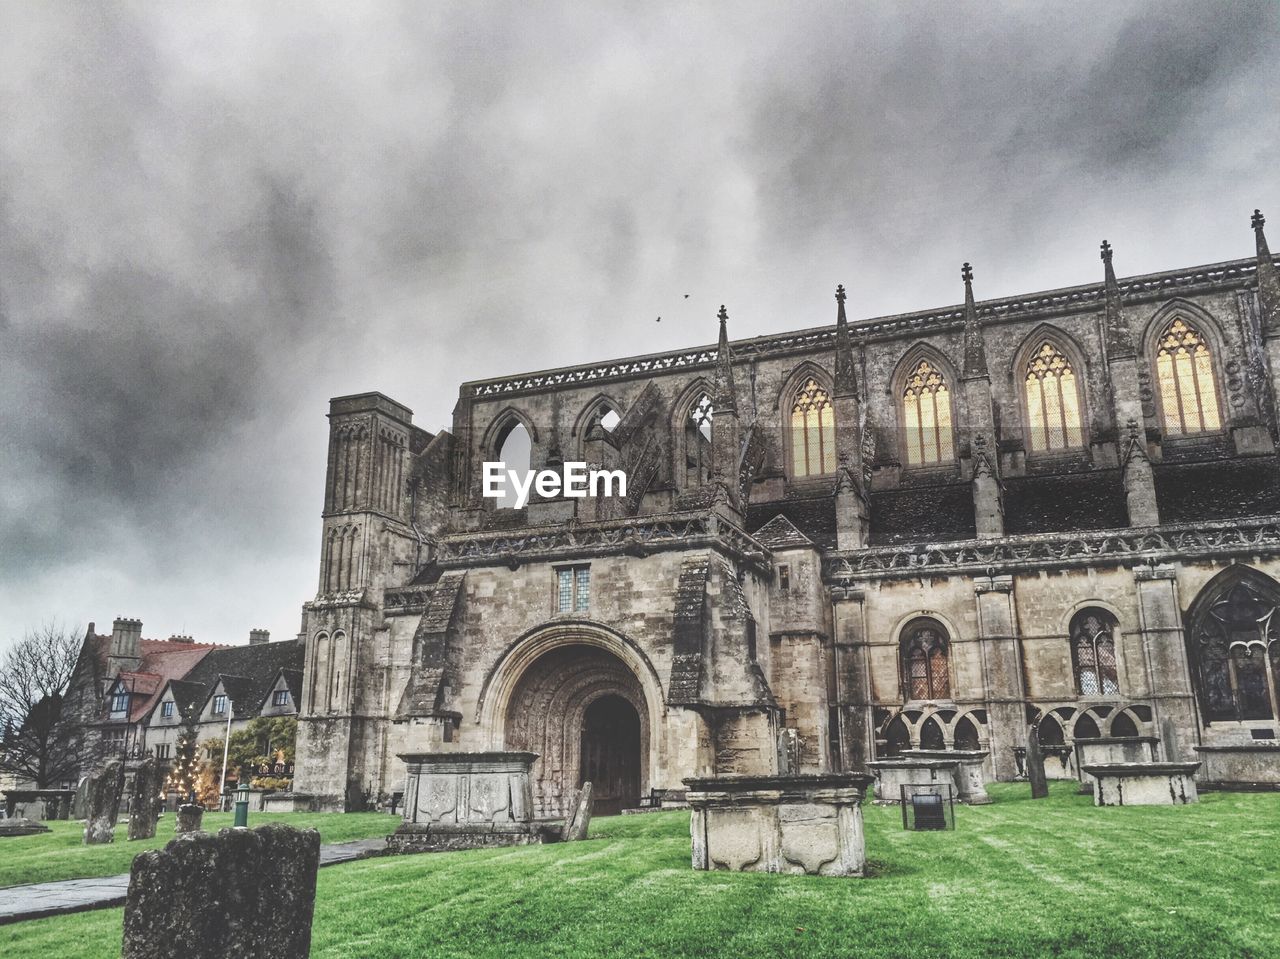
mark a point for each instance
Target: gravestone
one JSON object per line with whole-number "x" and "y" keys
{"x": 575, "y": 827}
{"x": 190, "y": 817}
{"x": 144, "y": 803}
{"x": 78, "y": 800}
{"x": 1035, "y": 764}
{"x": 102, "y": 804}
{"x": 248, "y": 893}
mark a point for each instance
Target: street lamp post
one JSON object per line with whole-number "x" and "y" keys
{"x": 226, "y": 745}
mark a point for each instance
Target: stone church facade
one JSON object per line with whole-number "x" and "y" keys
{"x": 933, "y": 529}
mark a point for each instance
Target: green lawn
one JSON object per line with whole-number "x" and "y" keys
{"x": 62, "y": 854}
{"x": 1017, "y": 878}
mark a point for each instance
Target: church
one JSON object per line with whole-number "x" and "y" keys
{"x": 1055, "y": 514}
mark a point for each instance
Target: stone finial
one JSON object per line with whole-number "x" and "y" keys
{"x": 1268, "y": 280}
{"x": 726, "y": 397}
{"x": 1118, "y": 336}
{"x": 975, "y": 350}
{"x": 846, "y": 380}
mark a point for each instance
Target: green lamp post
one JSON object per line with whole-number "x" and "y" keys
{"x": 242, "y": 805}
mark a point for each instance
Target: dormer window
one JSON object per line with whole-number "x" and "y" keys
{"x": 119, "y": 700}
{"x": 219, "y": 705}
{"x": 280, "y": 697}
{"x": 166, "y": 710}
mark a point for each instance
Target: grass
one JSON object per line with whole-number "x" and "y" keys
{"x": 61, "y": 854}
{"x": 1017, "y": 878}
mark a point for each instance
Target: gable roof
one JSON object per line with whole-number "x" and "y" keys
{"x": 162, "y": 660}
{"x": 247, "y": 673}
{"x": 781, "y": 533}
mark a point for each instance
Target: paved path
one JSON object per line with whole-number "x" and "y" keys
{"x": 35, "y": 901}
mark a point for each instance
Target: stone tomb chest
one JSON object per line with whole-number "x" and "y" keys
{"x": 970, "y": 776}
{"x": 457, "y": 800}
{"x": 1112, "y": 749}
{"x": 1143, "y": 784}
{"x": 892, "y": 774}
{"x": 788, "y": 824}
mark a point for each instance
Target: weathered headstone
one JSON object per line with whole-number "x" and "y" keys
{"x": 244, "y": 893}
{"x": 78, "y": 802}
{"x": 144, "y": 802}
{"x": 1035, "y": 764}
{"x": 102, "y": 804}
{"x": 189, "y": 819}
{"x": 575, "y": 827}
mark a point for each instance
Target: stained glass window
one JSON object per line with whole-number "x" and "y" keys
{"x": 926, "y": 414}
{"x": 1236, "y": 637}
{"x": 1184, "y": 369}
{"x": 924, "y": 654}
{"x": 1093, "y": 651}
{"x": 1053, "y": 401}
{"x": 813, "y": 432}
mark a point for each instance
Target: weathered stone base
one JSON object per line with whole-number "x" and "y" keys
{"x": 21, "y": 827}
{"x": 1143, "y": 784}
{"x": 891, "y": 774}
{"x": 786, "y": 824}
{"x": 447, "y": 837}
{"x": 1112, "y": 749}
{"x": 1251, "y": 766}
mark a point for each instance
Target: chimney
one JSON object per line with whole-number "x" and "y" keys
{"x": 175, "y": 638}
{"x": 126, "y": 645}
{"x": 259, "y": 637}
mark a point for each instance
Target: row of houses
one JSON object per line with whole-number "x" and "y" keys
{"x": 131, "y": 697}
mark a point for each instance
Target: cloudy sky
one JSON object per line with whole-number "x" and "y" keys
{"x": 214, "y": 218}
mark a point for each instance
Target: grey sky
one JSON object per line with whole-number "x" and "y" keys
{"x": 214, "y": 218}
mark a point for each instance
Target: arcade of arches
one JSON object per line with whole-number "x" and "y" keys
{"x": 582, "y": 710}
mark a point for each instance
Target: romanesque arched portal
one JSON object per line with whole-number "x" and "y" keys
{"x": 583, "y": 711}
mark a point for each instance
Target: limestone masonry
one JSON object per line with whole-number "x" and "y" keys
{"x": 926, "y": 531}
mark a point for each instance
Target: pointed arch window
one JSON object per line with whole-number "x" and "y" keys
{"x": 926, "y": 416}
{"x": 1093, "y": 653}
{"x": 1235, "y": 638}
{"x": 925, "y": 663}
{"x": 813, "y": 431}
{"x": 697, "y": 441}
{"x": 1184, "y": 372}
{"x": 1053, "y": 401}
{"x": 515, "y": 449}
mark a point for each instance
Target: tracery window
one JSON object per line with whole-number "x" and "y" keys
{"x": 515, "y": 453}
{"x": 813, "y": 432}
{"x": 1053, "y": 401}
{"x": 924, "y": 661}
{"x": 1235, "y": 637}
{"x": 926, "y": 416}
{"x": 697, "y": 442}
{"x": 1184, "y": 370}
{"x": 1093, "y": 653}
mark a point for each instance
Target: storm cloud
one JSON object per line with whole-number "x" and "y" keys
{"x": 214, "y": 218}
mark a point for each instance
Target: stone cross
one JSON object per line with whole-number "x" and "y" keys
{"x": 145, "y": 800}
{"x": 248, "y": 893}
{"x": 575, "y": 827}
{"x": 1035, "y": 764}
{"x": 102, "y": 804}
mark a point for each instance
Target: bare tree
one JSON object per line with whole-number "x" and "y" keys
{"x": 39, "y": 743}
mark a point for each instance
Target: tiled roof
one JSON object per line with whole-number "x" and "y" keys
{"x": 247, "y": 672}
{"x": 162, "y": 660}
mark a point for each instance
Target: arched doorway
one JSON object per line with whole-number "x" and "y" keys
{"x": 583, "y": 711}
{"x": 610, "y": 754}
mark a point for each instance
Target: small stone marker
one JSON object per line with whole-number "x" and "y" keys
{"x": 102, "y": 804}
{"x": 21, "y": 827}
{"x": 190, "y": 817}
{"x": 78, "y": 801}
{"x": 144, "y": 802}
{"x": 244, "y": 892}
{"x": 575, "y": 827}
{"x": 1035, "y": 764}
